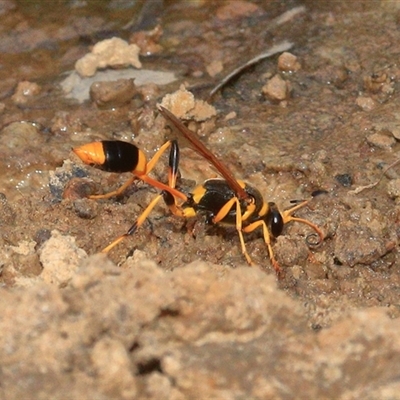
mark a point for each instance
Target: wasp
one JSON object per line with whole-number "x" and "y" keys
{"x": 224, "y": 200}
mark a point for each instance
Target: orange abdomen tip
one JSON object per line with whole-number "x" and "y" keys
{"x": 91, "y": 153}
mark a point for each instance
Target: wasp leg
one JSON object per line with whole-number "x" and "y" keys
{"x": 154, "y": 160}
{"x": 114, "y": 193}
{"x": 145, "y": 178}
{"x": 143, "y": 216}
{"x": 267, "y": 240}
{"x": 287, "y": 217}
{"x": 172, "y": 176}
{"x": 173, "y": 170}
{"x": 169, "y": 199}
{"x": 223, "y": 212}
{"x": 174, "y": 192}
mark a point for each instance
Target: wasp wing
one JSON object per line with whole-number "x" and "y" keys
{"x": 200, "y": 148}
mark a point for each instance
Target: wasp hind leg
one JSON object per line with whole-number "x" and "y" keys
{"x": 172, "y": 176}
{"x": 116, "y": 192}
{"x": 143, "y": 216}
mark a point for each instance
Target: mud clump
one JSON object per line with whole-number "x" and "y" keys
{"x": 137, "y": 329}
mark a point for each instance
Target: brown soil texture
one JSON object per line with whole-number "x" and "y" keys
{"x": 174, "y": 311}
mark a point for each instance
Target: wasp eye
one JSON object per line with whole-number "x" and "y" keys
{"x": 276, "y": 222}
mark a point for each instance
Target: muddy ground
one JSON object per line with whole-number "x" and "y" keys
{"x": 174, "y": 311}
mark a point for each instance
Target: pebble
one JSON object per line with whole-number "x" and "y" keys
{"x": 382, "y": 141}
{"x": 183, "y": 105}
{"x": 113, "y": 52}
{"x": 393, "y": 188}
{"x": 24, "y": 91}
{"x": 276, "y": 89}
{"x": 148, "y": 41}
{"x": 287, "y": 62}
{"x": 85, "y": 208}
{"x": 113, "y": 94}
{"x": 214, "y": 68}
{"x": 365, "y": 103}
{"x": 236, "y": 9}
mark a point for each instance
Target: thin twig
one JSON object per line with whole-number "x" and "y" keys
{"x": 287, "y": 16}
{"x": 370, "y": 186}
{"x": 279, "y": 48}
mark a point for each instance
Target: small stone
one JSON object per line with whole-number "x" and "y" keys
{"x": 287, "y": 62}
{"x": 376, "y": 83}
{"x": 113, "y": 52}
{"x": 276, "y": 89}
{"x": 396, "y": 132}
{"x": 183, "y": 105}
{"x": 24, "y": 91}
{"x": 214, "y": 68}
{"x": 76, "y": 188}
{"x": 114, "y": 93}
{"x": 231, "y": 115}
{"x": 344, "y": 179}
{"x": 356, "y": 243}
{"x": 236, "y": 9}
{"x": 85, "y": 208}
{"x": 382, "y": 141}
{"x": 148, "y": 41}
{"x": 365, "y": 103}
{"x": 393, "y": 188}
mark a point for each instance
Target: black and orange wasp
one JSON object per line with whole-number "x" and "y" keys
{"x": 223, "y": 200}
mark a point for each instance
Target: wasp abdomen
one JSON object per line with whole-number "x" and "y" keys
{"x": 113, "y": 156}
{"x": 120, "y": 156}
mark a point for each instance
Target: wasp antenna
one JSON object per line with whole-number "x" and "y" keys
{"x": 313, "y": 240}
{"x": 297, "y": 201}
{"x": 315, "y": 193}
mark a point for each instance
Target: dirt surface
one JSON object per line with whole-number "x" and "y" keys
{"x": 174, "y": 311}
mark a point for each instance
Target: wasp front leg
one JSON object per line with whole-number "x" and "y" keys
{"x": 223, "y": 212}
{"x": 267, "y": 240}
